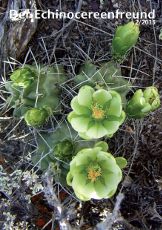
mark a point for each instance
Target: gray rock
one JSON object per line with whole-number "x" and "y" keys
{"x": 15, "y": 33}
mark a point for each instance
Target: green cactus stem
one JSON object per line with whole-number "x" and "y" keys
{"x": 41, "y": 90}
{"x": 107, "y": 76}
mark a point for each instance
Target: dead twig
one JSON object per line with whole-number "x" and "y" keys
{"x": 60, "y": 32}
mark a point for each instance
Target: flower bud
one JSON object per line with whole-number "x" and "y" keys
{"x": 24, "y": 77}
{"x": 125, "y": 37}
{"x": 143, "y": 102}
{"x": 64, "y": 148}
{"x": 37, "y": 116}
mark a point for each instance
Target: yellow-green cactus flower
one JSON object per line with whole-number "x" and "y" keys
{"x": 143, "y": 102}
{"x": 94, "y": 173}
{"x": 37, "y": 116}
{"x": 125, "y": 37}
{"x": 24, "y": 77}
{"x": 96, "y": 113}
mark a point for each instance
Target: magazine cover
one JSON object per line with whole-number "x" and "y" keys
{"x": 80, "y": 114}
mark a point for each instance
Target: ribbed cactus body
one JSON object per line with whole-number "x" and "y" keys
{"x": 107, "y": 76}
{"x": 114, "y": 79}
{"x": 43, "y": 90}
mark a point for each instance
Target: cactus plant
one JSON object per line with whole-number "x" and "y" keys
{"x": 106, "y": 77}
{"x": 94, "y": 173}
{"x": 28, "y": 91}
{"x": 96, "y": 113}
{"x": 143, "y": 102}
{"x": 125, "y": 37}
{"x": 56, "y": 151}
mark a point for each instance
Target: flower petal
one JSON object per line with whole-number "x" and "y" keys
{"x": 147, "y": 108}
{"x": 111, "y": 126}
{"x": 71, "y": 115}
{"x": 121, "y": 162}
{"x": 84, "y": 136}
{"x": 85, "y": 96}
{"x": 86, "y": 155}
{"x": 79, "y": 109}
{"x": 97, "y": 130}
{"x": 69, "y": 178}
{"x": 80, "y": 124}
{"x": 89, "y": 191}
{"x": 115, "y": 94}
{"x": 101, "y": 190}
{"x": 75, "y": 169}
{"x": 115, "y": 108}
{"x": 104, "y": 156}
{"x": 81, "y": 197}
{"x": 108, "y": 165}
{"x": 102, "y": 96}
{"x": 79, "y": 182}
{"x": 112, "y": 180}
{"x": 103, "y": 145}
{"x": 111, "y": 193}
{"x": 81, "y": 158}
{"x": 121, "y": 119}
